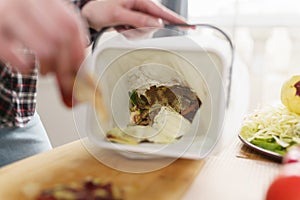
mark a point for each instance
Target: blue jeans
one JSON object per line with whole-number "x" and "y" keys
{"x": 19, "y": 143}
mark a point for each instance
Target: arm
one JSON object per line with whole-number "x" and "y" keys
{"x": 137, "y": 13}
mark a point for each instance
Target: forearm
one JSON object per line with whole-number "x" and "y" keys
{"x": 135, "y": 13}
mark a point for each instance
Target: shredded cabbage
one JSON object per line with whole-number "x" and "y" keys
{"x": 274, "y": 128}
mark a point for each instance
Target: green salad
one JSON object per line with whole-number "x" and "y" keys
{"x": 274, "y": 128}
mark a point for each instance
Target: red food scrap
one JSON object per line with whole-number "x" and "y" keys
{"x": 90, "y": 189}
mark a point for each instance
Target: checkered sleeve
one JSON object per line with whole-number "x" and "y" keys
{"x": 17, "y": 97}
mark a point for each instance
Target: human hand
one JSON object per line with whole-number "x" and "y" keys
{"x": 136, "y": 13}
{"x": 51, "y": 30}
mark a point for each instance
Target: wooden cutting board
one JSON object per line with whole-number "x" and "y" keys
{"x": 70, "y": 163}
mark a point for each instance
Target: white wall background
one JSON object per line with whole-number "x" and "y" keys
{"x": 266, "y": 34}
{"x": 57, "y": 119}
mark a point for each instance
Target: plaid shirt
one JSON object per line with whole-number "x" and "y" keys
{"x": 17, "y": 97}
{"x": 18, "y": 92}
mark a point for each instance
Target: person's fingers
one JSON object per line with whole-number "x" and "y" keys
{"x": 70, "y": 60}
{"x": 72, "y": 24}
{"x": 14, "y": 60}
{"x": 135, "y": 33}
{"x": 64, "y": 87}
{"x": 136, "y": 19}
{"x": 65, "y": 76}
{"x": 156, "y": 10}
{"x": 73, "y": 36}
{"x": 70, "y": 53}
{"x": 47, "y": 33}
{"x": 51, "y": 29}
{"x": 10, "y": 55}
{"x": 29, "y": 57}
{"x": 138, "y": 13}
{"x": 31, "y": 35}
{"x": 68, "y": 64}
{"x": 82, "y": 26}
{"x": 46, "y": 65}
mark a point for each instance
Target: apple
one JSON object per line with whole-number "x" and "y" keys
{"x": 290, "y": 94}
{"x": 284, "y": 188}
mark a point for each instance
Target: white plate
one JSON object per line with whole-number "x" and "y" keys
{"x": 267, "y": 153}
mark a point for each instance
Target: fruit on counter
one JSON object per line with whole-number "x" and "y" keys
{"x": 290, "y": 94}
{"x": 284, "y": 188}
{"x": 287, "y": 185}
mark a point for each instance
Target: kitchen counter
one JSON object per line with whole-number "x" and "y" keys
{"x": 72, "y": 163}
{"x": 234, "y": 173}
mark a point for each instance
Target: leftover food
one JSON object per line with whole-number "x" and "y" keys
{"x": 158, "y": 114}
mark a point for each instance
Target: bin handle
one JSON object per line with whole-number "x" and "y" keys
{"x": 226, "y": 36}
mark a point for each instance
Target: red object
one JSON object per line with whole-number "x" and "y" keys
{"x": 292, "y": 156}
{"x": 284, "y": 188}
{"x": 287, "y": 185}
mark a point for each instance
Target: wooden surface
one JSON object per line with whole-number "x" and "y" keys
{"x": 71, "y": 162}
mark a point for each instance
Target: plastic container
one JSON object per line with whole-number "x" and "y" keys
{"x": 150, "y": 56}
